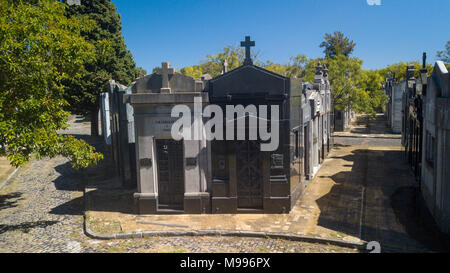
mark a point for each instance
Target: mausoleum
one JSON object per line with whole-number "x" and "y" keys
{"x": 252, "y": 160}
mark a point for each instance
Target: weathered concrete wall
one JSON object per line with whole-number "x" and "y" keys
{"x": 436, "y": 142}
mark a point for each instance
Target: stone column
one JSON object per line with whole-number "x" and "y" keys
{"x": 105, "y": 116}
{"x": 196, "y": 199}
{"x": 146, "y": 197}
{"x": 165, "y": 72}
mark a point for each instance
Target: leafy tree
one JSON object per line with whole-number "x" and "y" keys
{"x": 140, "y": 72}
{"x": 113, "y": 60}
{"x": 40, "y": 48}
{"x": 193, "y": 71}
{"x": 295, "y": 67}
{"x": 372, "y": 84}
{"x": 399, "y": 70}
{"x": 337, "y": 44}
{"x": 213, "y": 65}
{"x": 310, "y": 69}
{"x": 352, "y": 87}
{"x": 276, "y": 68}
{"x": 234, "y": 57}
{"x": 444, "y": 55}
{"x": 345, "y": 76}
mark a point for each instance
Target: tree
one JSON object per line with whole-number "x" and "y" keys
{"x": 140, "y": 72}
{"x": 40, "y": 48}
{"x": 352, "y": 87}
{"x": 295, "y": 67}
{"x": 444, "y": 55}
{"x": 192, "y": 71}
{"x": 372, "y": 84}
{"x": 345, "y": 78}
{"x": 213, "y": 65}
{"x": 399, "y": 70}
{"x": 337, "y": 44}
{"x": 113, "y": 60}
{"x": 276, "y": 68}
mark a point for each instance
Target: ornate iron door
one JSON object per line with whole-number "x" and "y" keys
{"x": 170, "y": 173}
{"x": 249, "y": 175}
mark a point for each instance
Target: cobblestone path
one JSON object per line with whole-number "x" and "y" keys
{"x": 41, "y": 210}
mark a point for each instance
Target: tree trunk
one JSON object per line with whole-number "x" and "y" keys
{"x": 94, "y": 123}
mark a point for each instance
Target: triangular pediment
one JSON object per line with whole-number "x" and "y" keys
{"x": 248, "y": 79}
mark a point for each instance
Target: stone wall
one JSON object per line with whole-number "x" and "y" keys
{"x": 436, "y": 143}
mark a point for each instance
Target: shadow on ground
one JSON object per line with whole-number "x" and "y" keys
{"x": 412, "y": 213}
{"x": 102, "y": 177}
{"x": 72, "y": 207}
{"x": 10, "y": 200}
{"x": 104, "y": 200}
{"x": 389, "y": 203}
{"x": 26, "y": 227}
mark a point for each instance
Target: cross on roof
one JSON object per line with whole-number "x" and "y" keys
{"x": 424, "y": 60}
{"x": 166, "y": 70}
{"x": 247, "y": 44}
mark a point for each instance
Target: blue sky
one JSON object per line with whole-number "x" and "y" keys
{"x": 183, "y": 32}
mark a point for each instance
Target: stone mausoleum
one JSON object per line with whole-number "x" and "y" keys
{"x": 221, "y": 175}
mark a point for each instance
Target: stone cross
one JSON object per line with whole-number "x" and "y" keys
{"x": 247, "y": 44}
{"x": 165, "y": 72}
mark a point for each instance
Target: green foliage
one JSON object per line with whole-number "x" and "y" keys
{"x": 112, "y": 59}
{"x": 371, "y": 82}
{"x": 345, "y": 77}
{"x": 140, "y": 72}
{"x": 193, "y": 71}
{"x": 352, "y": 87}
{"x": 337, "y": 44}
{"x": 277, "y": 68}
{"x": 213, "y": 65}
{"x": 444, "y": 55}
{"x": 295, "y": 67}
{"x": 399, "y": 70}
{"x": 40, "y": 48}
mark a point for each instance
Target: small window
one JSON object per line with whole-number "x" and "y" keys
{"x": 277, "y": 161}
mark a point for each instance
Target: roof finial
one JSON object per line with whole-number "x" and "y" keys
{"x": 247, "y": 44}
{"x": 225, "y": 66}
{"x": 424, "y": 60}
{"x": 319, "y": 68}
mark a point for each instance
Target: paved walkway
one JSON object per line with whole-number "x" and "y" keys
{"x": 363, "y": 127}
{"x": 41, "y": 210}
{"x": 362, "y": 191}
{"x": 348, "y": 200}
{"x": 356, "y": 195}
